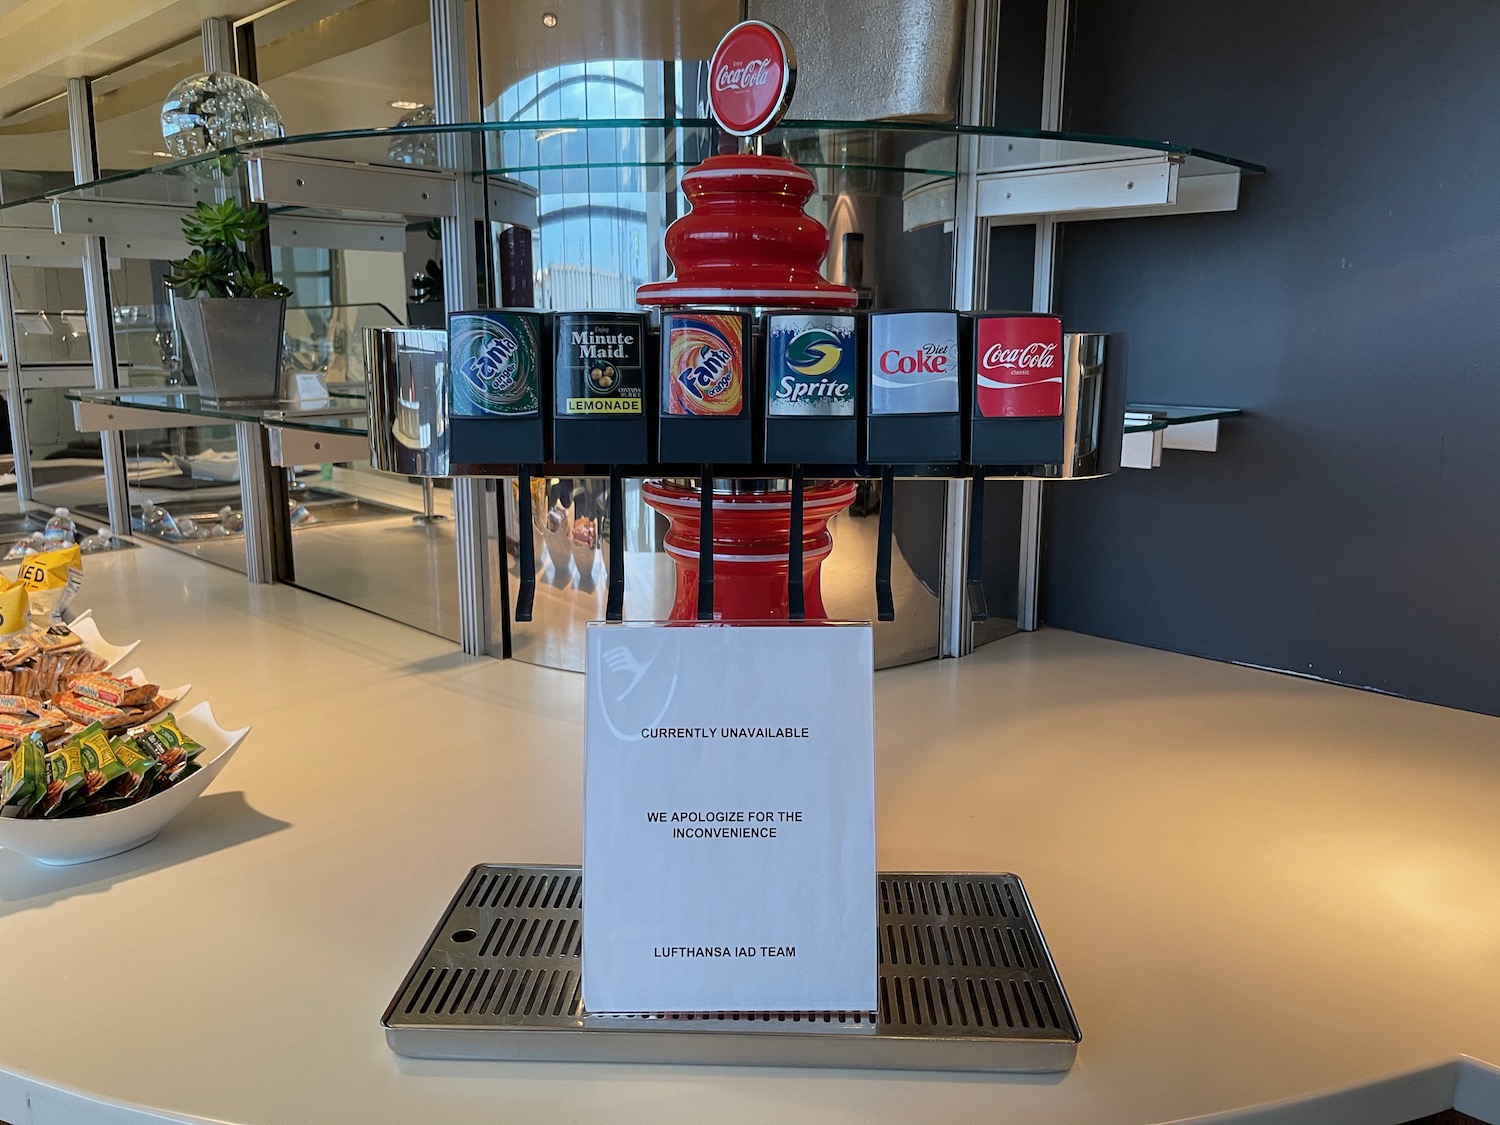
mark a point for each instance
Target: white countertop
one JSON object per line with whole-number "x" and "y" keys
{"x": 1258, "y": 889}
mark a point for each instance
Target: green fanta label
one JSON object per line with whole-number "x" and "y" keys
{"x": 492, "y": 358}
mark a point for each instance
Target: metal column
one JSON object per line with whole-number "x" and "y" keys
{"x": 263, "y": 485}
{"x": 97, "y": 304}
{"x": 15, "y": 394}
{"x": 218, "y": 44}
{"x": 971, "y": 246}
{"x": 1044, "y": 273}
{"x": 478, "y": 567}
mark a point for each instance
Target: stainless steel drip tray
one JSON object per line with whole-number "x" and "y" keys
{"x": 966, "y": 983}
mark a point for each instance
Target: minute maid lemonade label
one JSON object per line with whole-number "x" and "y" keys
{"x": 705, "y": 370}
{"x": 493, "y": 364}
{"x": 598, "y": 365}
{"x": 810, "y": 366}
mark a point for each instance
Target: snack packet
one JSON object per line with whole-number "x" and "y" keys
{"x": 19, "y": 705}
{"x": 101, "y": 766}
{"x": 141, "y": 770}
{"x": 23, "y": 779}
{"x": 83, "y": 710}
{"x": 15, "y": 610}
{"x": 51, "y": 579}
{"x": 65, "y": 780}
{"x": 111, "y": 690}
{"x": 173, "y": 750}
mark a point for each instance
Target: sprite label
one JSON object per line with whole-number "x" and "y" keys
{"x": 492, "y": 363}
{"x": 811, "y": 367}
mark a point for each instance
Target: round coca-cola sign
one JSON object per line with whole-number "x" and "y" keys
{"x": 751, "y": 77}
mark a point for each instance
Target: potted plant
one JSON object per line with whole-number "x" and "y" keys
{"x": 232, "y": 315}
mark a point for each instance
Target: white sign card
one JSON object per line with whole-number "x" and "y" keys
{"x": 729, "y": 819}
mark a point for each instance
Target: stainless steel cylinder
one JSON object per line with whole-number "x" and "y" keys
{"x": 406, "y": 397}
{"x": 1093, "y": 407}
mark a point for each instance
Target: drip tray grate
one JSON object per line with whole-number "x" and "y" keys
{"x": 966, "y": 983}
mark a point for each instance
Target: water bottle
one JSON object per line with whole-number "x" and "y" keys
{"x": 61, "y": 530}
{"x": 159, "y": 521}
{"x": 101, "y": 540}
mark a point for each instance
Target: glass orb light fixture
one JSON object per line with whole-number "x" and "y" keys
{"x": 215, "y": 110}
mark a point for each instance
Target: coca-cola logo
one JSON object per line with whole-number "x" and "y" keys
{"x": 1032, "y": 355}
{"x": 1019, "y": 373}
{"x": 753, "y": 71}
{"x": 757, "y": 72}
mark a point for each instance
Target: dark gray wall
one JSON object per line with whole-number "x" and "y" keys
{"x": 1349, "y": 527}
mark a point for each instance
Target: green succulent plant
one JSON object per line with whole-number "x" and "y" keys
{"x": 220, "y": 266}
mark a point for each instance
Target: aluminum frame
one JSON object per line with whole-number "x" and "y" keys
{"x": 971, "y": 242}
{"x": 20, "y": 439}
{"x": 1043, "y": 284}
{"x": 479, "y": 598}
{"x": 97, "y": 304}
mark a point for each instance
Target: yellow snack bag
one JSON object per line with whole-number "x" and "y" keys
{"x": 15, "y": 609}
{"x": 52, "y": 578}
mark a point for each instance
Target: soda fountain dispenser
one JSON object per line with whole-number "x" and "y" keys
{"x": 766, "y": 386}
{"x": 747, "y": 244}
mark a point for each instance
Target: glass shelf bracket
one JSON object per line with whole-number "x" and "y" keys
{"x": 1021, "y": 179}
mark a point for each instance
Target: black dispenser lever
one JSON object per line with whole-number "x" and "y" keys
{"x": 978, "y": 611}
{"x": 615, "y": 608}
{"x": 526, "y": 593}
{"x": 885, "y": 605}
{"x": 706, "y": 544}
{"x": 796, "y": 607}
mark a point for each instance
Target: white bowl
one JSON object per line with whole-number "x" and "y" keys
{"x": 82, "y": 838}
{"x": 174, "y": 696}
{"x": 88, "y": 630}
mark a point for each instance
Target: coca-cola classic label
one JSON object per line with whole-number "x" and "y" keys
{"x": 1017, "y": 367}
{"x": 913, "y": 363}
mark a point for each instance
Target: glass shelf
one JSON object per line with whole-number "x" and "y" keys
{"x": 337, "y": 414}
{"x": 630, "y": 154}
{"x": 1141, "y": 419}
{"x": 329, "y": 416}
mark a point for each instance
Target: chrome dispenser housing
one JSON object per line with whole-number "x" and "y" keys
{"x": 1093, "y": 409}
{"x": 407, "y": 400}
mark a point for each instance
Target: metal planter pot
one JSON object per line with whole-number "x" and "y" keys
{"x": 234, "y": 344}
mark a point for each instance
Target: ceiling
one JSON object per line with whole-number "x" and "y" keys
{"x": 326, "y": 64}
{"x": 46, "y": 42}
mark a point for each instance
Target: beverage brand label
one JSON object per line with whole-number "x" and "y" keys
{"x": 811, "y": 366}
{"x": 1017, "y": 367}
{"x": 913, "y": 363}
{"x": 705, "y": 368}
{"x": 599, "y": 370}
{"x": 492, "y": 359}
{"x": 751, "y": 77}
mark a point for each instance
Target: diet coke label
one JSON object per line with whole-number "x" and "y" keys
{"x": 1017, "y": 367}
{"x": 913, "y": 364}
{"x": 751, "y": 78}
